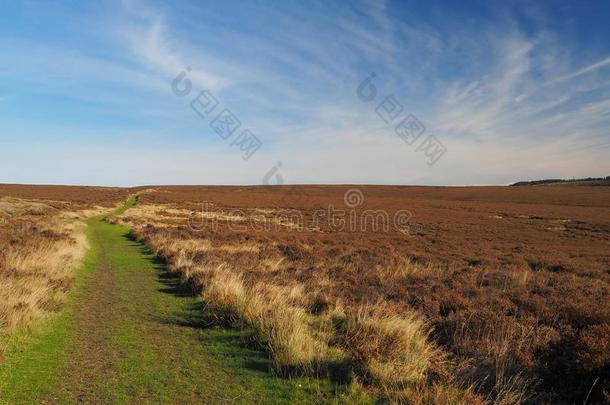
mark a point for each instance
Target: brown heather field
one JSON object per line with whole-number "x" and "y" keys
{"x": 489, "y": 295}
{"x": 42, "y": 242}
{"x": 496, "y": 294}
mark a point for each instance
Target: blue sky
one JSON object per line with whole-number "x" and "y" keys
{"x": 511, "y": 90}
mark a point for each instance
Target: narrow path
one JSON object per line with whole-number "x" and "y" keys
{"x": 91, "y": 355}
{"x": 132, "y": 334}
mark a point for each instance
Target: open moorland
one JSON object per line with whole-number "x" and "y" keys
{"x": 493, "y": 291}
{"x": 406, "y": 294}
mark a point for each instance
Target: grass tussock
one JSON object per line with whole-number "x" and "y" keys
{"x": 383, "y": 350}
{"x": 279, "y": 326}
{"x": 391, "y": 350}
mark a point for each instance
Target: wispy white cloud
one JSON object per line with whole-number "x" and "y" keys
{"x": 149, "y": 42}
{"x": 585, "y": 70}
{"x": 501, "y": 98}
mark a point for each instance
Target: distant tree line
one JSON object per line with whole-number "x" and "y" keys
{"x": 604, "y": 180}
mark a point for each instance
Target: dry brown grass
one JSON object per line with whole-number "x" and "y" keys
{"x": 402, "y": 267}
{"x": 38, "y": 256}
{"x": 392, "y": 350}
{"x": 281, "y": 327}
{"x": 438, "y": 394}
{"x": 387, "y": 351}
{"x": 496, "y": 370}
{"x": 11, "y": 207}
{"x": 84, "y": 213}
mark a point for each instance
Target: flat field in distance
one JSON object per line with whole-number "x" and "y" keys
{"x": 512, "y": 282}
{"x": 83, "y": 196}
{"x": 541, "y": 225}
